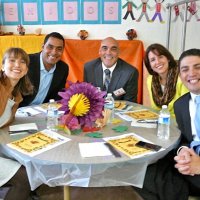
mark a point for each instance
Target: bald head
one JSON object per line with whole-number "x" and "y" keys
{"x": 109, "y": 51}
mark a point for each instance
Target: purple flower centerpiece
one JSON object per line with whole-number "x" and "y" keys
{"x": 83, "y": 105}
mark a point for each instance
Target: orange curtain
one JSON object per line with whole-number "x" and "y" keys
{"x": 78, "y": 52}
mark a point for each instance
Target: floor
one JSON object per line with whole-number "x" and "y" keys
{"x": 77, "y": 193}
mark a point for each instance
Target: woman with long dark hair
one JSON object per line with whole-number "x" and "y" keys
{"x": 163, "y": 83}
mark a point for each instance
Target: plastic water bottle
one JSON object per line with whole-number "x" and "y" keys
{"x": 164, "y": 123}
{"x": 109, "y": 104}
{"x": 52, "y": 115}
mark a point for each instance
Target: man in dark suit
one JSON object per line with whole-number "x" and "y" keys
{"x": 187, "y": 113}
{"x": 46, "y": 71}
{"x": 122, "y": 79}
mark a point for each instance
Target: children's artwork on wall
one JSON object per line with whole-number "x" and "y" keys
{"x": 178, "y": 11}
{"x": 11, "y": 12}
{"x": 192, "y": 9}
{"x": 158, "y": 10}
{"x": 50, "y": 12}
{"x": 33, "y": 12}
{"x": 129, "y": 5}
{"x": 90, "y": 12}
{"x": 30, "y": 12}
{"x": 144, "y": 5}
{"x": 111, "y": 12}
{"x": 70, "y": 11}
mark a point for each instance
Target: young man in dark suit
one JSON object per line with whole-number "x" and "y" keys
{"x": 46, "y": 71}
{"x": 123, "y": 78}
{"x": 187, "y": 111}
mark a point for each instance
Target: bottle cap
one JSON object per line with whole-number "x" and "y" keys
{"x": 109, "y": 94}
{"x": 51, "y": 101}
{"x": 164, "y": 106}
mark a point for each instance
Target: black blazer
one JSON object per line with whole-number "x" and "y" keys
{"x": 182, "y": 113}
{"x": 57, "y": 84}
{"x": 124, "y": 76}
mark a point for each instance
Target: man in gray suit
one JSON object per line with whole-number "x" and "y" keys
{"x": 111, "y": 73}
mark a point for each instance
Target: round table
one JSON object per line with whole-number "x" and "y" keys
{"x": 63, "y": 165}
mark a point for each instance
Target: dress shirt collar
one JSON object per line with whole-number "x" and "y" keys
{"x": 193, "y": 96}
{"x": 110, "y": 68}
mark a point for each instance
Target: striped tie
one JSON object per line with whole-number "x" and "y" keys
{"x": 107, "y": 78}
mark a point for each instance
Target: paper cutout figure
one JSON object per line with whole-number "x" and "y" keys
{"x": 192, "y": 8}
{"x": 158, "y": 8}
{"x": 120, "y": 129}
{"x": 95, "y": 135}
{"x": 178, "y": 11}
{"x": 144, "y": 7}
{"x": 129, "y": 6}
{"x": 116, "y": 121}
{"x": 90, "y": 129}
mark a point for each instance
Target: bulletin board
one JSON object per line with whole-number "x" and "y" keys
{"x": 37, "y": 12}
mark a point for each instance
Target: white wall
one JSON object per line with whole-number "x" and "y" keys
{"x": 147, "y": 32}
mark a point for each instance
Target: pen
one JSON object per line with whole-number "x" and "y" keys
{"x": 153, "y": 121}
{"x": 20, "y": 131}
{"x": 113, "y": 150}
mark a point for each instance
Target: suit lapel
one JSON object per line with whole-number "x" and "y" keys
{"x": 34, "y": 72}
{"x": 57, "y": 76}
{"x": 186, "y": 117}
{"x": 98, "y": 75}
{"x": 115, "y": 77}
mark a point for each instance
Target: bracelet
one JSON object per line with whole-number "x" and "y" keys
{"x": 179, "y": 149}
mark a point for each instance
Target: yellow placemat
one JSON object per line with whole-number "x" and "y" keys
{"x": 127, "y": 146}
{"x": 45, "y": 105}
{"x": 142, "y": 114}
{"x": 38, "y": 143}
{"x": 33, "y": 142}
{"x": 120, "y": 105}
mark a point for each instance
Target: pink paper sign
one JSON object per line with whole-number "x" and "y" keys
{"x": 11, "y": 12}
{"x": 70, "y": 10}
{"x": 91, "y": 11}
{"x": 50, "y": 11}
{"x": 30, "y": 12}
{"x": 111, "y": 11}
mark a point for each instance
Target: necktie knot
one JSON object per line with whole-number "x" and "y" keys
{"x": 197, "y": 99}
{"x": 107, "y": 72}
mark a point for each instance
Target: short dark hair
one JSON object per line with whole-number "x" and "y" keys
{"x": 55, "y": 35}
{"x": 189, "y": 52}
{"x": 158, "y": 49}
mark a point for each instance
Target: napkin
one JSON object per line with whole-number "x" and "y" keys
{"x": 23, "y": 128}
{"x": 26, "y": 112}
